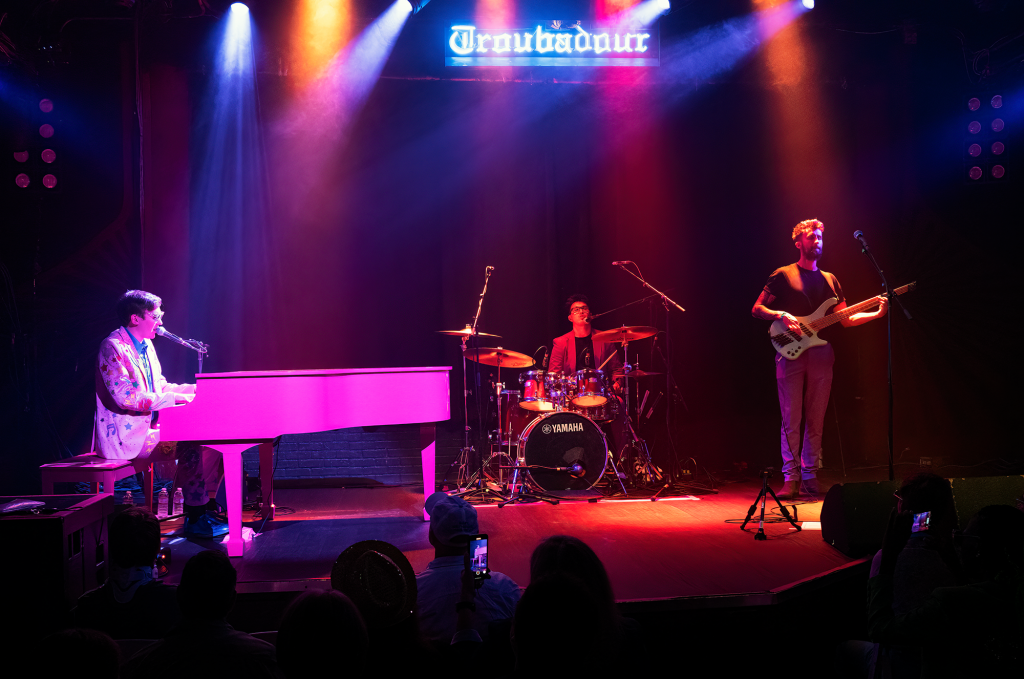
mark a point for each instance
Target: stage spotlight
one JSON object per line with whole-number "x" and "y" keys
{"x": 973, "y": 104}
{"x": 809, "y": 4}
{"x": 998, "y": 171}
{"x": 49, "y": 181}
{"x": 22, "y": 180}
{"x": 417, "y": 5}
{"x": 45, "y": 105}
{"x": 642, "y": 14}
{"x": 997, "y": 101}
{"x": 46, "y": 131}
{"x": 239, "y": 7}
{"x": 975, "y": 173}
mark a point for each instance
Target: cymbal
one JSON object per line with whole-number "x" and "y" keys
{"x": 627, "y": 333}
{"x": 499, "y": 357}
{"x": 466, "y": 332}
{"x": 634, "y": 373}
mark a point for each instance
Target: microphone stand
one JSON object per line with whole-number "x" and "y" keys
{"x": 888, "y": 329}
{"x": 480, "y": 492}
{"x": 668, "y": 303}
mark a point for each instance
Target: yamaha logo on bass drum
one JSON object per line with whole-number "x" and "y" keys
{"x": 562, "y": 428}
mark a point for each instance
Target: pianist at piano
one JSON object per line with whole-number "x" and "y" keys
{"x": 131, "y": 391}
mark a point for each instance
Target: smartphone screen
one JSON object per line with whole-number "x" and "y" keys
{"x": 478, "y": 555}
{"x": 921, "y": 522}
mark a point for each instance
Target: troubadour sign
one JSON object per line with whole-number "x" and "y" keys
{"x": 553, "y": 45}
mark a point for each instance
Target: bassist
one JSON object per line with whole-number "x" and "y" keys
{"x": 804, "y": 382}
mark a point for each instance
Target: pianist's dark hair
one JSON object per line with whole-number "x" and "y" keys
{"x": 573, "y": 299}
{"x": 136, "y": 302}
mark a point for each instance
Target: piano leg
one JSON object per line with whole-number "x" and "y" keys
{"x": 233, "y": 486}
{"x": 428, "y": 438}
{"x": 267, "y": 479}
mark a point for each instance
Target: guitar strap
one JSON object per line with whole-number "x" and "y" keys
{"x": 830, "y": 279}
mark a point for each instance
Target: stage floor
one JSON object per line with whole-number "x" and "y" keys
{"x": 677, "y": 547}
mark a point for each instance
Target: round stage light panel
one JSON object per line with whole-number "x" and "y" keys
{"x": 48, "y": 155}
{"x": 998, "y": 171}
{"x": 46, "y": 131}
{"x": 998, "y": 148}
{"x": 974, "y": 127}
{"x": 997, "y": 101}
{"x": 975, "y": 173}
{"x": 22, "y": 180}
{"x": 974, "y": 150}
{"x": 998, "y": 125}
{"x": 21, "y": 156}
{"x": 974, "y": 103}
{"x": 45, "y": 105}
{"x": 49, "y": 181}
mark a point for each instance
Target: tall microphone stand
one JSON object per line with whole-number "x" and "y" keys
{"x": 480, "y": 492}
{"x": 668, "y": 303}
{"x": 859, "y": 235}
{"x": 195, "y": 345}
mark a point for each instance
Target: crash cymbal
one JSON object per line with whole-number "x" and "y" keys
{"x": 499, "y": 357}
{"x": 627, "y": 333}
{"x": 634, "y": 373}
{"x": 466, "y": 332}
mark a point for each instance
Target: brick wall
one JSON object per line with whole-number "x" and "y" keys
{"x": 389, "y": 455}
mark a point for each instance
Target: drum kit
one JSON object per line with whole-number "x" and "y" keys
{"x": 548, "y": 434}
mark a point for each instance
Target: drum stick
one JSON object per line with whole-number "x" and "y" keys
{"x": 606, "y": 361}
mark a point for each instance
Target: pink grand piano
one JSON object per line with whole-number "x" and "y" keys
{"x": 234, "y": 411}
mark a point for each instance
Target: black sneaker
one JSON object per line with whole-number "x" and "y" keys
{"x": 205, "y": 527}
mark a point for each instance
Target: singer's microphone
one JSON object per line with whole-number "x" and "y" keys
{"x": 859, "y": 235}
{"x": 171, "y": 336}
{"x": 623, "y": 262}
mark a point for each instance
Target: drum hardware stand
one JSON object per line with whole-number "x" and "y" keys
{"x": 762, "y": 498}
{"x": 668, "y": 303}
{"x": 520, "y": 494}
{"x": 481, "y": 492}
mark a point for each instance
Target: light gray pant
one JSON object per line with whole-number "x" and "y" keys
{"x": 804, "y": 385}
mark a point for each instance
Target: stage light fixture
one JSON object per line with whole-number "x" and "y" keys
{"x": 22, "y": 180}
{"x": 998, "y": 125}
{"x": 998, "y": 171}
{"x": 45, "y": 105}
{"x": 974, "y": 150}
{"x": 46, "y": 131}
{"x": 975, "y": 173}
{"x": 984, "y": 140}
{"x": 49, "y": 181}
{"x": 21, "y": 156}
{"x": 239, "y": 7}
{"x": 417, "y": 5}
{"x": 48, "y": 155}
{"x": 808, "y": 4}
{"x": 974, "y": 127}
{"x": 998, "y": 148}
{"x": 973, "y": 104}
{"x": 997, "y": 101}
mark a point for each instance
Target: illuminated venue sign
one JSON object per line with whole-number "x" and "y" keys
{"x": 552, "y": 45}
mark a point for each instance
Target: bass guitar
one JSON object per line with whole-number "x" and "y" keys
{"x": 792, "y": 343}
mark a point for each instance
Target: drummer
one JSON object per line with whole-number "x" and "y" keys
{"x": 576, "y": 350}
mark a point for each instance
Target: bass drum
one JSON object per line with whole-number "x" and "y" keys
{"x": 562, "y": 440}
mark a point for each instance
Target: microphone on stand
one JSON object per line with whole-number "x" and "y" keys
{"x": 174, "y": 338}
{"x": 576, "y": 470}
{"x": 623, "y": 262}
{"x": 489, "y": 269}
{"x": 859, "y": 235}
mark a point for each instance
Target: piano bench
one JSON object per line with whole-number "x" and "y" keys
{"x": 94, "y": 470}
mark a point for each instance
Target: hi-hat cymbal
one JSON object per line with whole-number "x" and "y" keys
{"x": 500, "y": 357}
{"x": 627, "y": 333}
{"x": 634, "y": 373}
{"x": 466, "y": 332}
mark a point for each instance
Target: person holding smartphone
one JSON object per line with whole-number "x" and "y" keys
{"x": 453, "y": 521}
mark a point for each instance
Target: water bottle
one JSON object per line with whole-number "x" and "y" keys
{"x": 127, "y": 499}
{"x": 161, "y": 503}
{"x": 179, "y": 502}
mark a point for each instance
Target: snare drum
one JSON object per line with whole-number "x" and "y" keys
{"x": 588, "y": 388}
{"x": 536, "y": 391}
{"x": 562, "y": 440}
{"x": 606, "y": 412}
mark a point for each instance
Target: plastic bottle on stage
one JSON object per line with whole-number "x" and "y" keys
{"x": 179, "y": 502}
{"x": 161, "y": 503}
{"x": 127, "y": 499}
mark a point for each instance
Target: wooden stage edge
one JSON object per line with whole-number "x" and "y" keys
{"x": 679, "y": 553}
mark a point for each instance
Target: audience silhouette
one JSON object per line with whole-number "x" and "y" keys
{"x": 322, "y": 634}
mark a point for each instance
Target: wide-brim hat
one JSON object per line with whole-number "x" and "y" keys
{"x": 378, "y": 579}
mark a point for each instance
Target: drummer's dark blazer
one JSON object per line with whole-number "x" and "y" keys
{"x": 563, "y": 354}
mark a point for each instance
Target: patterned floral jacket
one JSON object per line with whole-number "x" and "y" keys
{"x": 125, "y": 400}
